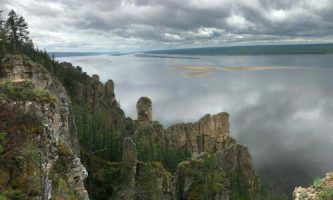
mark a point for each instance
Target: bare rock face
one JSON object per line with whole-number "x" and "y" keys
{"x": 321, "y": 189}
{"x": 95, "y": 78}
{"x": 18, "y": 68}
{"x": 209, "y": 134}
{"x": 144, "y": 110}
{"x": 109, "y": 89}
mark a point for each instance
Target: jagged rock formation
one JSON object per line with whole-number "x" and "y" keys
{"x": 209, "y": 134}
{"x": 152, "y": 181}
{"x": 100, "y": 97}
{"x": 52, "y": 135}
{"x": 236, "y": 162}
{"x": 144, "y": 110}
{"x": 322, "y": 189}
{"x": 142, "y": 180}
{"x": 219, "y": 168}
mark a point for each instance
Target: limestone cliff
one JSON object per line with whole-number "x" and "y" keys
{"x": 322, "y": 189}
{"x": 219, "y": 168}
{"x": 99, "y": 97}
{"x": 184, "y": 161}
{"x": 209, "y": 134}
{"x": 39, "y": 157}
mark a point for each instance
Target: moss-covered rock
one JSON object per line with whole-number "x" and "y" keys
{"x": 152, "y": 182}
{"x": 201, "y": 178}
{"x": 321, "y": 189}
{"x": 36, "y": 119}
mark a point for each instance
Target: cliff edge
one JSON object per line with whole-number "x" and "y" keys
{"x": 39, "y": 147}
{"x": 322, "y": 189}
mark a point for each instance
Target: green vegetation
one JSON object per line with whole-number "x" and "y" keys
{"x": 148, "y": 150}
{"x": 304, "y": 195}
{"x": 326, "y": 194}
{"x": 20, "y": 158}
{"x": 318, "y": 182}
{"x": 208, "y": 179}
{"x": 24, "y": 91}
{"x": 13, "y": 34}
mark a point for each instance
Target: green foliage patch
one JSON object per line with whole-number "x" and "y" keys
{"x": 326, "y": 194}
{"x": 318, "y": 182}
{"x": 24, "y": 91}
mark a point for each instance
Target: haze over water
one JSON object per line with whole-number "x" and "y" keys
{"x": 280, "y": 106}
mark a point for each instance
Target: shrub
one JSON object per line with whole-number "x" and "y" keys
{"x": 326, "y": 194}
{"x": 318, "y": 182}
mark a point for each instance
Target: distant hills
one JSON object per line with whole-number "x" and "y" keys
{"x": 214, "y": 51}
{"x": 258, "y": 49}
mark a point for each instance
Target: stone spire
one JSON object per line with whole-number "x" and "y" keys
{"x": 144, "y": 109}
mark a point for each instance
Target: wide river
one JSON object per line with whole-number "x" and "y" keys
{"x": 280, "y": 106}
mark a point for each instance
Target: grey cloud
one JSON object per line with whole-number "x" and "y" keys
{"x": 164, "y": 22}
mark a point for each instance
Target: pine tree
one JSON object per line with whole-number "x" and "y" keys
{"x": 1, "y": 26}
{"x": 11, "y": 30}
{"x": 2, "y": 36}
{"x": 16, "y": 31}
{"x": 23, "y": 31}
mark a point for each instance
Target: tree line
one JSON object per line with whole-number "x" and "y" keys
{"x": 14, "y": 33}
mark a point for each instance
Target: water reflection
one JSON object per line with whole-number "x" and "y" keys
{"x": 280, "y": 105}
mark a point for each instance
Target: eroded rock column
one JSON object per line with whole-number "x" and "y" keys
{"x": 144, "y": 110}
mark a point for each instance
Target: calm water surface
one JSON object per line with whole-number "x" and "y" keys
{"x": 281, "y": 106}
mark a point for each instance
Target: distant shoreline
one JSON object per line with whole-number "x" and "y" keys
{"x": 251, "y": 50}
{"x": 191, "y": 53}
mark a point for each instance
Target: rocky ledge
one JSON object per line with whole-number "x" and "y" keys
{"x": 322, "y": 189}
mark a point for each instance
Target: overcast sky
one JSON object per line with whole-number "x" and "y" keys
{"x": 130, "y": 25}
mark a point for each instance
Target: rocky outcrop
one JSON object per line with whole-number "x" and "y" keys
{"x": 322, "y": 189}
{"x": 236, "y": 162}
{"x": 100, "y": 97}
{"x": 200, "y": 178}
{"x": 142, "y": 180}
{"x": 144, "y": 110}
{"x": 152, "y": 181}
{"x": 56, "y": 141}
{"x": 227, "y": 174}
{"x": 219, "y": 168}
{"x": 209, "y": 134}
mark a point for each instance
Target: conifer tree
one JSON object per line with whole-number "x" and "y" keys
{"x": 23, "y": 31}
{"x": 2, "y": 35}
{"x": 16, "y": 29}
{"x": 11, "y": 30}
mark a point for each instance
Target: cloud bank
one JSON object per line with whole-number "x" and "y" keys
{"x": 124, "y": 25}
